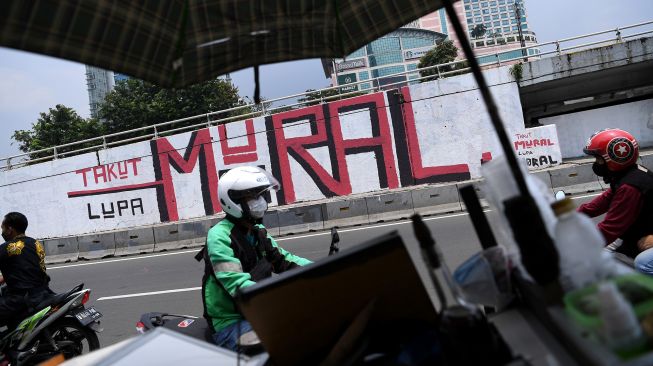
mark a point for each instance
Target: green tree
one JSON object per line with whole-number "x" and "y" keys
{"x": 314, "y": 97}
{"x": 134, "y": 103}
{"x": 59, "y": 126}
{"x": 478, "y": 31}
{"x": 443, "y": 53}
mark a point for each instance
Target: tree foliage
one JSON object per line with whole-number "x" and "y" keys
{"x": 59, "y": 126}
{"x": 478, "y": 31}
{"x": 134, "y": 103}
{"x": 442, "y": 53}
{"x": 314, "y": 97}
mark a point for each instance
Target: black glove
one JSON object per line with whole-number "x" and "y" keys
{"x": 272, "y": 254}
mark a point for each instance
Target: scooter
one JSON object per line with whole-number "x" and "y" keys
{"x": 61, "y": 325}
{"x": 197, "y": 327}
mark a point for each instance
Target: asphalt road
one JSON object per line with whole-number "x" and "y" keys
{"x": 126, "y": 287}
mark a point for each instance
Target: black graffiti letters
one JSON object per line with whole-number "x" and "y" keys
{"x": 544, "y": 160}
{"x": 110, "y": 210}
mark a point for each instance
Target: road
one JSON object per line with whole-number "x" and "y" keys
{"x": 124, "y": 288}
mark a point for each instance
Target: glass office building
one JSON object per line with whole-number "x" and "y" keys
{"x": 505, "y": 30}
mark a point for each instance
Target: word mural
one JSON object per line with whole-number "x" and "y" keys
{"x": 109, "y": 212}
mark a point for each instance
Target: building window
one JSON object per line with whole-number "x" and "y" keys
{"x": 484, "y": 5}
{"x": 385, "y": 58}
{"x": 478, "y": 19}
{"x": 414, "y": 42}
{"x": 524, "y": 26}
{"x": 486, "y": 11}
{"x": 504, "y": 16}
{"x": 385, "y": 71}
{"x": 515, "y": 29}
{"x": 493, "y": 3}
{"x": 513, "y": 21}
{"x": 487, "y": 18}
{"x": 412, "y": 67}
{"x": 502, "y": 8}
{"x": 495, "y": 17}
{"x": 506, "y": 29}
{"x": 497, "y": 23}
{"x": 364, "y": 75}
{"x": 475, "y": 6}
{"x": 468, "y": 7}
{"x": 365, "y": 86}
{"x": 477, "y": 12}
{"x": 383, "y": 45}
{"x": 468, "y": 14}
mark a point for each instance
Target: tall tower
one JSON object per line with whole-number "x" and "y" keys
{"x": 99, "y": 82}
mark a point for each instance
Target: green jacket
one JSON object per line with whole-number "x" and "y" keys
{"x": 236, "y": 257}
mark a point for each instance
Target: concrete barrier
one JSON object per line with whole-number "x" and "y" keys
{"x": 61, "y": 250}
{"x": 345, "y": 213}
{"x": 97, "y": 246}
{"x": 390, "y": 206}
{"x": 174, "y": 236}
{"x": 647, "y": 161}
{"x": 203, "y": 228}
{"x": 300, "y": 219}
{"x": 433, "y": 200}
{"x": 271, "y": 222}
{"x": 135, "y": 241}
{"x": 575, "y": 179}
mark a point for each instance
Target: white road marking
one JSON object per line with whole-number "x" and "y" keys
{"x": 149, "y": 293}
{"x": 124, "y": 259}
{"x": 403, "y": 222}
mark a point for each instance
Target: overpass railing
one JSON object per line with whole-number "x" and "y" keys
{"x": 249, "y": 110}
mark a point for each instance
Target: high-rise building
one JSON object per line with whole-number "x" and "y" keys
{"x": 497, "y": 28}
{"x": 99, "y": 82}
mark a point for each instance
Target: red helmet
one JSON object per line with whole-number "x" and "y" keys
{"x": 619, "y": 148}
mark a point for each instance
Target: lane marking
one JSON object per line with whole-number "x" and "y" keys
{"x": 402, "y": 222}
{"x": 149, "y": 293}
{"x": 125, "y": 259}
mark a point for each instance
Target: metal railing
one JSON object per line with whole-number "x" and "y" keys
{"x": 205, "y": 120}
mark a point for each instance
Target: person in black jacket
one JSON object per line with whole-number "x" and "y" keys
{"x": 22, "y": 263}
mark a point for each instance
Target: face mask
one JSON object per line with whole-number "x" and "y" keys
{"x": 257, "y": 207}
{"x": 600, "y": 169}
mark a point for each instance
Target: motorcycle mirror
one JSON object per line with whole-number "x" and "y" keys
{"x": 560, "y": 195}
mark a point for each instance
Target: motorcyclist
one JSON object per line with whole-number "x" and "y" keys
{"x": 22, "y": 263}
{"x": 628, "y": 203}
{"x": 239, "y": 252}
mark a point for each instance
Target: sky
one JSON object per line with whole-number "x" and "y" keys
{"x": 30, "y": 83}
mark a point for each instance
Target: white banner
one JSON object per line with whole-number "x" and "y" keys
{"x": 538, "y": 146}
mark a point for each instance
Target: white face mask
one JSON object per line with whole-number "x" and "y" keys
{"x": 257, "y": 207}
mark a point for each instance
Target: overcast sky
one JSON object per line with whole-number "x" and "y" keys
{"x": 30, "y": 83}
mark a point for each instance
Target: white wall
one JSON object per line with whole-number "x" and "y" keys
{"x": 365, "y": 140}
{"x": 574, "y": 129}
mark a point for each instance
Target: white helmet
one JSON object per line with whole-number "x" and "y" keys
{"x": 241, "y": 182}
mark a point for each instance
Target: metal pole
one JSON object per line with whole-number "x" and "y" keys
{"x": 522, "y": 42}
{"x": 493, "y": 111}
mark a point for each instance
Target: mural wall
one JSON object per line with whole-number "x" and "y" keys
{"x": 432, "y": 132}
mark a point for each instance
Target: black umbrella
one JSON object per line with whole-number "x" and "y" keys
{"x": 175, "y": 43}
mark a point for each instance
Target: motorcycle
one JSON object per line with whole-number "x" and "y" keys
{"x": 198, "y": 328}
{"x": 62, "y": 324}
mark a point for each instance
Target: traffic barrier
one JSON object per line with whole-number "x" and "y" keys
{"x": 202, "y": 228}
{"x": 135, "y": 241}
{"x": 575, "y": 179}
{"x": 433, "y": 200}
{"x": 96, "y": 246}
{"x": 61, "y": 250}
{"x": 345, "y": 213}
{"x": 271, "y": 222}
{"x": 173, "y": 236}
{"x": 647, "y": 161}
{"x": 390, "y": 206}
{"x": 300, "y": 219}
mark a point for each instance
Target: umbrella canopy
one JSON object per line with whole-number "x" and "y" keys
{"x": 175, "y": 43}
